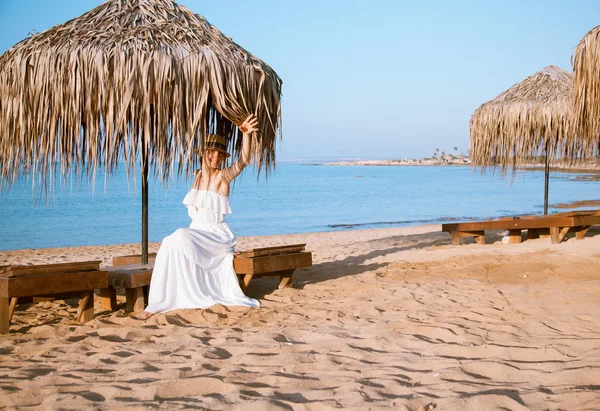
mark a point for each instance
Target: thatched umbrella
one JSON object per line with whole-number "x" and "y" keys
{"x": 586, "y": 91}
{"x": 131, "y": 80}
{"x": 529, "y": 119}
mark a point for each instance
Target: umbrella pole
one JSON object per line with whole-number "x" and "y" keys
{"x": 144, "y": 205}
{"x": 546, "y": 182}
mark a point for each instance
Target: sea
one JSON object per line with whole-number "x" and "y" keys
{"x": 295, "y": 198}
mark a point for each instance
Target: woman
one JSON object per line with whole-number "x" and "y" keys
{"x": 194, "y": 266}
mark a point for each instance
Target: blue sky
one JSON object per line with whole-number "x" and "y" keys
{"x": 376, "y": 78}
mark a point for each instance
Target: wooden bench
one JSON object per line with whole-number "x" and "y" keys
{"x": 133, "y": 277}
{"x": 128, "y": 272}
{"x": 557, "y": 225}
{"x": 279, "y": 261}
{"x": 34, "y": 283}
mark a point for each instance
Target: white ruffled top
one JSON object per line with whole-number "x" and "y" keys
{"x": 206, "y": 199}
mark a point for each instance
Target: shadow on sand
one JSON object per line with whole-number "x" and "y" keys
{"x": 356, "y": 264}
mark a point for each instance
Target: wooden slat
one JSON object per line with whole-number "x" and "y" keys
{"x": 21, "y": 270}
{"x": 131, "y": 267}
{"x": 266, "y": 251}
{"x": 243, "y": 265}
{"x": 35, "y": 285}
{"x": 50, "y": 297}
{"x": 130, "y": 276}
{"x": 260, "y": 265}
{"x": 586, "y": 220}
{"x": 132, "y": 259}
{"x": 580, "y": 213}
{"x": 575, "y": 213}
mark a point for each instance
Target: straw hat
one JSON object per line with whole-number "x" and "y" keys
{"x": 215, "y": 142}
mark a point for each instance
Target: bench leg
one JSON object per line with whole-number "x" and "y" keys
{"x": 563, "y": 233}
{"x": 135, "y": 299}
{"x": 581, "y": 231}
{"x": 554, "y": 233}
{"x": 146, "y": 294}
{"x": 11, "y": 308}
{"x": 514, "y": 236}
{"x": 286, "y": 278}
{"x": 85, "y": 311}
{"x": 4, "y": 315}
{"x": 557, "y": 235}
{"x": 532, "y": 234}
{"x": 480, "y": 239}
{"x": 108, "y": 298}
{"x": 246, "y": 282}
{"x": 455, "y": 237}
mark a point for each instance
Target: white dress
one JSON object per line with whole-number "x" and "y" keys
{"x": 194, "y": 266}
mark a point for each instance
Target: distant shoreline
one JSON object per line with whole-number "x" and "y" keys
{"x": 458, "y": 161}
{"x": 590, "y": 167}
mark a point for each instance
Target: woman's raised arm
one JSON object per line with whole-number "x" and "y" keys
{"x": 249, "y": 126}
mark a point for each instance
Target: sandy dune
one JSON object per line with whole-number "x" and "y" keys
{"x": 390, "y": 318}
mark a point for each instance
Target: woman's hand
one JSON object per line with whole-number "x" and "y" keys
{"x": 250, "y": 125}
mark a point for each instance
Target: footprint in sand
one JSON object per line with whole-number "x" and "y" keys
{"x": 91, "y": 396}
{"x": 123, "y": 354}
{"x": 217, "y": 354}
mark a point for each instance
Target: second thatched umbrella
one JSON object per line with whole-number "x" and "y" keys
{"x": 586, "y": 92}
{"x": 530, "y": 119}
{"x": 139, "y": 81}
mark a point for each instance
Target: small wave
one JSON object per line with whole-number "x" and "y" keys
{"x": 402, "y": 222}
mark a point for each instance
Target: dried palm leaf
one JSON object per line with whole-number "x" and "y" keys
{"x": 126, "y": 78}
{"x": 586, "y": 91}
{"x": 530, "y": 119}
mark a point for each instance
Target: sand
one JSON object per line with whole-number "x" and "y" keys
{"x": 389, "y": 318}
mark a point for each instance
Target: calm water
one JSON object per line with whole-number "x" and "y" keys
{"x": 295, "y": 199}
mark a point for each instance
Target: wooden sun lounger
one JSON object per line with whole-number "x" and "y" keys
{"x": 34, "y": 283}
{"x": 279, "y": 261}
{"x": 128, "y": 273}
{"x": 557, "y": 225}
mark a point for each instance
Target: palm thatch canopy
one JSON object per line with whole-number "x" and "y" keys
{"x": 127, "y": 79}
{"x": 529, "y": 119}
{"x": 586, "y": 91}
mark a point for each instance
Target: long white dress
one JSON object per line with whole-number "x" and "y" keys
{"x": 194, "y": 266}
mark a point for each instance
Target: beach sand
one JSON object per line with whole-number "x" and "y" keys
{"x": 389, "y": 318}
